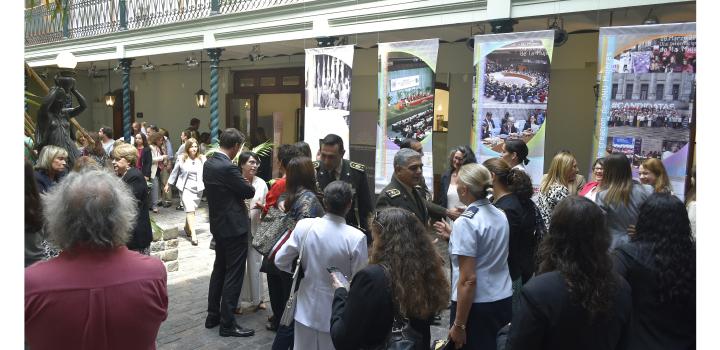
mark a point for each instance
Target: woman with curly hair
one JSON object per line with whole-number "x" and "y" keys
{"x": 652, "y": 172}
{"x": 405, "y": 274}
{"x": 659, "y": 264}
{"x": 577, "y": 301}
{"x": 512, "y": 193}
{"x": 448, "y": 198}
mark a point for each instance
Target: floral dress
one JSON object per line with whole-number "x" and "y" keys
{"x": 548, "y": 200}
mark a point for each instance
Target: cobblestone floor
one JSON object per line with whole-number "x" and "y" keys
{"x": 188, "y": 288}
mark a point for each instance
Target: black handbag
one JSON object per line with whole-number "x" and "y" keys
{"x": 402, "y": 336}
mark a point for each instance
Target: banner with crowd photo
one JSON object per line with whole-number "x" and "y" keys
{"x": 328, "y": 77}
{"x": 510, "y": 95}
{"x": 645, "y": 100}
{"x": 406, "y": 100}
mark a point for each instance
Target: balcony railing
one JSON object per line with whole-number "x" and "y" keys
{"x": 88, "y": 18}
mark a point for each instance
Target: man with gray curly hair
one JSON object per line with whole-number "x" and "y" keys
{"x": 96, "y": 292}
{"x": 404, "y": 189}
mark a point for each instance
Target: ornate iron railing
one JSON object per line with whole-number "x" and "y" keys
{"x": 87, "y": 18}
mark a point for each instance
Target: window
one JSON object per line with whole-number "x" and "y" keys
{"x": 676, "y": 91}
{"x": 659, "y": 91}
{"x": 628, "y": 91}
{"x": 614, "y": 91}
{"x": 644, "y": 91}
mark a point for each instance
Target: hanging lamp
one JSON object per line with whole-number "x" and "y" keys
{"x": 109, "y": 97}
{"x": 201, "y": 97}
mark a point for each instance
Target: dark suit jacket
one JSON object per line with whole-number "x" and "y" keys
{"x": 226, "y": 191}
{"x": 362, "y": 318}
{"x": 395, "y": 195}
{"x": 142, "y": 233}
{"x": 546, "y": 318}
{"x": 146, "y": 156}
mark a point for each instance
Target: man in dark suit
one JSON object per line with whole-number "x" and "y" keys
{"x": 404, "y": 189}
{"x": 226, "y": 191}
{"x": 333, "y": 167}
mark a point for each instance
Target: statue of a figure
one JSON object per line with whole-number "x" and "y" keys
{"x": 53, "y": 118}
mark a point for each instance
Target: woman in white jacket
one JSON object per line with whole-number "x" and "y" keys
{"x": 328, "y": 242}
{"x": 187, "y": 177}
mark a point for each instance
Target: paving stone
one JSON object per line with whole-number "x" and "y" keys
{"x": 157, "y": 246}
{"x": 171, "y": 244}
{"x": 170, "y": 255}
{"x": 170, "y": 233}
{"x": 172, "y": 266}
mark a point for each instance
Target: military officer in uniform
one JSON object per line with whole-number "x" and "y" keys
{"x": 333, "y": 167}
{"x": 404, "y": 189}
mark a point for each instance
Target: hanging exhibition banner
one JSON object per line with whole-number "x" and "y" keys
{"x": 646, "y": 83}
{"x": 406, "y": 88}
{"x": 328, "y": 77}
{"x": 510, "y": 95}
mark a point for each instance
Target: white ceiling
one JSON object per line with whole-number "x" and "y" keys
{"x": 670, "y": 13}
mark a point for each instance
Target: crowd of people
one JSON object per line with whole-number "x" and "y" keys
{"x": 662, "y": 57}
{"x": 416, "y": 126}
{"x": 646, "y": 116}
{"x": 610, "y": 262}
{"x": 534, "y": 91}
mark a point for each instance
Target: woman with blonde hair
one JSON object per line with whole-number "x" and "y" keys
{"x": 620, "y": 197}
{"x": 50, "y": 167}
{"x": 652, "y": 172}
{"x": 80, "y": 141}
{"x": 481, "y": 300}
{"x": 187, "y": 177}
{"x": 555, "y": 186}
{"x": 124, "y": 158}
{"x": 405, "y": 274}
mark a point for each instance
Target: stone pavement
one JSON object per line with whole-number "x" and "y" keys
{"x": 188, "y": 288}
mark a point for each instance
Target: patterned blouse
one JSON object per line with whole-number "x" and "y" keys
{"x": 548, "y": 200}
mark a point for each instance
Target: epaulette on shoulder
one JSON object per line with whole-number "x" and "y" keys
{"x": 392, "y": 193}
{"x": 470, "y": 212}
{"x": 357, "y": 166}
{"x": 316, "y": 164}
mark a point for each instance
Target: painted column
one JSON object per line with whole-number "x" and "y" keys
{"x": 668, "y": 87}
{"x": 636, "y": 87}
{"x": 125, "y": 65}
{"x": 621, "y": 87}
{"x": 214, "y": 55}
{"x": 652, "y": 89}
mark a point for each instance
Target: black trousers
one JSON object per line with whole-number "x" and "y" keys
{"x": 483, "y": 323}
{"x": 227, "y": 278}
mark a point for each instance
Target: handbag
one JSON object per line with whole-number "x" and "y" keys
{"x": 402, "y": 336}
{"x": 271, "y": 229}
{"x": 288, "y": 315}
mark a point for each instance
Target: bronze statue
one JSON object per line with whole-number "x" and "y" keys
{"x": 53, "y": 118}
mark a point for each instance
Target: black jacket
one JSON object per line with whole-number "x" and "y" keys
{"x": 362, "y": 205}
{"x": 146, "y": 157}
{"x": 396, "y": 195}
{"x": 363, "y": 317}
{"x": 226, "y": 191}
{"x": 444, "y": 185}
{"x": 522, "y": 247}
{"x": 655, "y": 325}
{"x": 546, "y": 318}
{"x": 142, "y": 232}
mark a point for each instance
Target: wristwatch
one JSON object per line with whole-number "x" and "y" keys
{"x": 461, "y": 326}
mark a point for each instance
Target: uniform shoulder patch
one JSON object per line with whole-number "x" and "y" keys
{"x": 357, "y": 166}
{"x": 470, "y": 212}
{"x": 316, "y": 164}
{"x": 392, "y": 193}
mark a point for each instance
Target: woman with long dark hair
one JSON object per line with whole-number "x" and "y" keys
{"x": 144, "y": 155}
{"x": 512, "y": 193}
{"x": 448, "y": 198}
{"x": 515, "y": 153}
{"x": 96, "y": 151}
{"x": 620, "y": 197}
{"x": 300, "y": 202}
{"x": 405, "y": 273}
{"x": 577, "y": 301}
{"x": 659, "y": 265}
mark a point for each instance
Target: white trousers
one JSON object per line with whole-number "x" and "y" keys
{"x": 252, "y": 288}
{"x": 307, "y": 338}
